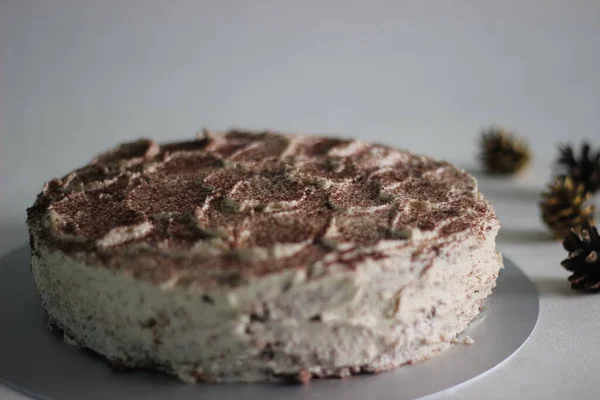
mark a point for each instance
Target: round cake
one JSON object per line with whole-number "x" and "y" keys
{"x": 244, "y": 256}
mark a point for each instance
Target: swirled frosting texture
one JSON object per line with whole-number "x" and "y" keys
{"x": 225, "y": 207}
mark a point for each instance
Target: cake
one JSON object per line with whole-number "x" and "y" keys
{"x": 242, "y": 256}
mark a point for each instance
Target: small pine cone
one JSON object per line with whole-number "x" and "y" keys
{"x": 564, "y": 206}
{"x": 502, "y": 153}
{"x": 584, "y": 258}
{"x": 585, "y": 169}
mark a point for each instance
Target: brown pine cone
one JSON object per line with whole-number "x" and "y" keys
{"x": 584, "y": 258}
{"x": 564, "y": 206}
{"x": 585, "y": 169}
{"x": 502, "y": 153}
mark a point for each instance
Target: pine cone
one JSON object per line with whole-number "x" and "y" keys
{"x": 584, "y": 258}
{"x": 502, "y": 153}
{"x": 564, "y": 206}
{"x": 584, "y": 170}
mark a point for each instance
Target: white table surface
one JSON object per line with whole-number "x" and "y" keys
{"x": 79, "y": 76}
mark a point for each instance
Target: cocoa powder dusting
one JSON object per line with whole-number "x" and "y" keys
{"x": 270, "y": 199}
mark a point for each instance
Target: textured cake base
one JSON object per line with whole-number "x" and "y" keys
{"x": 136, "y": 325}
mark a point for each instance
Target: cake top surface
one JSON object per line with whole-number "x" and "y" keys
{"x": 228, "y": 206}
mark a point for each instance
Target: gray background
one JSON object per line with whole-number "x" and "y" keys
{"x": 79, "y": 76}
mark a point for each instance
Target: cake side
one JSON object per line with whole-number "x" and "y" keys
{"x": 344, "y": 322}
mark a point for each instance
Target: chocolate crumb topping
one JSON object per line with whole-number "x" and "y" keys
{"x": 228, "y": 206}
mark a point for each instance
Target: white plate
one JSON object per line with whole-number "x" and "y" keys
{"x": 36, "y": 362}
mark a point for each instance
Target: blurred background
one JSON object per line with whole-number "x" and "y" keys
{"x": 79, "y": 76}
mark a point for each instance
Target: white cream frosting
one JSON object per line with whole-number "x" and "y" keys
{"x": 388, "y": 283}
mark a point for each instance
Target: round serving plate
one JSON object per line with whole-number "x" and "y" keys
{"x": 37, "y": 363}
